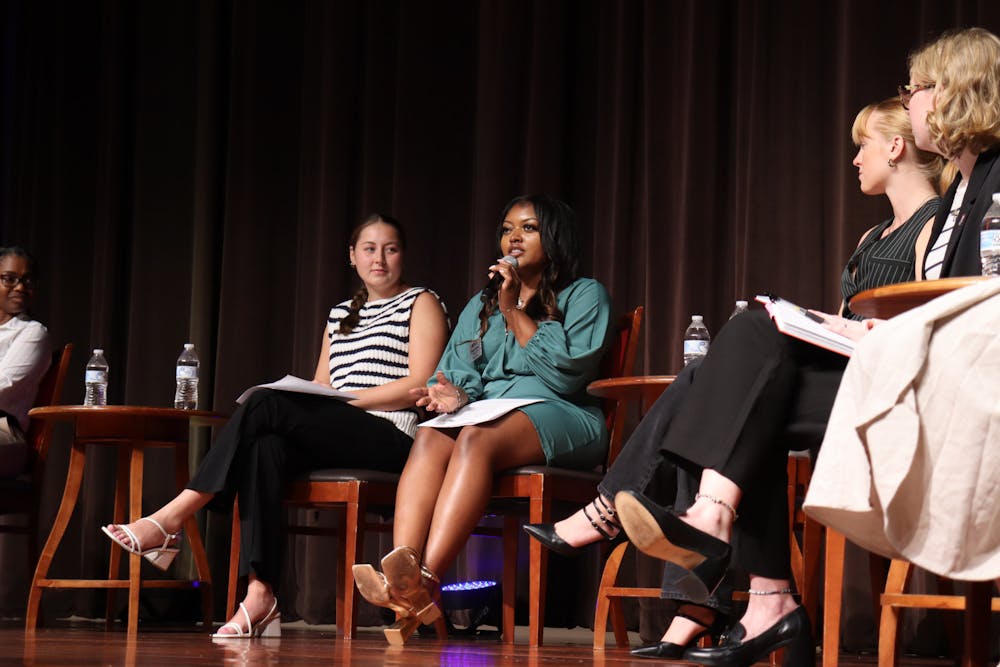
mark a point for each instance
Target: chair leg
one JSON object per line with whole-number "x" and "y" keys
{"x": 833, "y": 595}
{"x": 610, "y": 606}
{"x": 234, "y": 560}
{"x": 812, "y": 534}
{"x": 888, "y": 633}
{"x": 538, "y": 566}
{"x": 978, "y": 600}
{"x": 511, "y": 530}
{"x": 347, "y": 596}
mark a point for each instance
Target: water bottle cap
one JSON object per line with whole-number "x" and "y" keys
{"x": 741, "y": 304}
{"x": 696, "y": 318}
{"x": 188, "y": 346}
{"x": 98, "y": 350}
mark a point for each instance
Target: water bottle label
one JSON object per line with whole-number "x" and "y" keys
{"x": 695, "y": 347}
{"x": 187, "y": 372}
{"x": 989, "y": 239}
{"x": 93, "y": 376}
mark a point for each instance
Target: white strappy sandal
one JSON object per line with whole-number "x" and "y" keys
{"x": 161, "y": 556}
{"x": 269, "y": 626}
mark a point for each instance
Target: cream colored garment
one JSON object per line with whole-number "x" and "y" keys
{"x": 910, "y": 465}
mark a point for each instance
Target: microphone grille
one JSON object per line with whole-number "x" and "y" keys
{"x": 510, "y": 259}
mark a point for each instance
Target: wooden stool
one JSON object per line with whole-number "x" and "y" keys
{"x": 976, "y": 603}
{"x": 131, "y": 430}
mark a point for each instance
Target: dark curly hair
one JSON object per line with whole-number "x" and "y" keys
{"x": 561, "y": 244}
{"x": 361, "y": 296}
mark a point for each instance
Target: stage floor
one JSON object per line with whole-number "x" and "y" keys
{"x": 86, "y": 643}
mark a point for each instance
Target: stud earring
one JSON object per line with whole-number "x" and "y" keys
{"x": 892, "y": 163}
{"x": 352, "y": 265}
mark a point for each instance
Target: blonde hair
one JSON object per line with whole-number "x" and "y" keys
{"x": 964, "y": 67}
{"x": 892, "y": 121}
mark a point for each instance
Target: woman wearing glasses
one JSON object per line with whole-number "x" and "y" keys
{"x": 953, "y": 99}
{"x": 720, "y": 423}
{"x": 378, "y": 345}
{"x": 24, "y": 356}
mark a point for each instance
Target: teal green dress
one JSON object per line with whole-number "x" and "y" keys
{"x": 557, "y": 364}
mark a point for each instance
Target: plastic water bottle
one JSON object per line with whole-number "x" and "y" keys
{"x": 741, "y": 307}
{"x": 989, "y": 239}
{"x": 186, "y": 396}
{"x": 96, "y": 379}
{"x": 696, "y": 340}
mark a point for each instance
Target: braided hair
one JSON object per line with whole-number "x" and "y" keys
{"x": 561, "y": 244}
{"x": 361, "y": 296}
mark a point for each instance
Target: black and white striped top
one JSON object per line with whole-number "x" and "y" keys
{"x": 884, "y": 261}
{"x": 936, "y": 253}
{"x": 377, "y": 350}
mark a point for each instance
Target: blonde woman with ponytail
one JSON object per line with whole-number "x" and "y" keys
{"x": 378, "y": 346}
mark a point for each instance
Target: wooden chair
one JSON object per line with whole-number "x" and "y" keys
{"x": 804, "y": 539}
{"x": 977, "y": 603}
{"x": 20, "y": 495}
{"x": 355, "y": 492}
{"x": 541, "y": 486}
{"x": 350, "y": 492}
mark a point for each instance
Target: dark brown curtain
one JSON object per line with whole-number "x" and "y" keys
{"x": 190, "y": 171}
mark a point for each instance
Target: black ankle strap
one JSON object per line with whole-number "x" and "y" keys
{"x": 607, "y": 519}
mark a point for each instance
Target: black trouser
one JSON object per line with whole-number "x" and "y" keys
{"x": 271, "y": 439}
{"x": 754, "y": 382}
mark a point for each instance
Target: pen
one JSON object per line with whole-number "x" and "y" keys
{"x": 811, "y": 315}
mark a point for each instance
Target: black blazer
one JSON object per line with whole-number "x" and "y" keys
{"x": 962, "y": 255}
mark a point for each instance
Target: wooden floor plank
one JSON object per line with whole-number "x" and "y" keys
{"x": 86, "y": 644}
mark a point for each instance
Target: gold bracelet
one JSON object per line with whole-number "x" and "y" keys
{"x": 461, "y": 397}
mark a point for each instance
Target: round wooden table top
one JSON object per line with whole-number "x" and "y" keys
{"x": 891, "y": 300}
{"x": 71, "y": 412}
{"x": 630, "y": 387}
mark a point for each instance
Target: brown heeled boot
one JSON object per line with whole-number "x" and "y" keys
{"x": 414, "y": 585}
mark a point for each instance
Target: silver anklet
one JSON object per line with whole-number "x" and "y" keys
{"x": 717, "y": 501}
{"x": 783, "y": 591}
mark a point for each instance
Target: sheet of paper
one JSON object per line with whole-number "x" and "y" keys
{"x": 792, "y": 320}
{"x": 298, "y": 385}
{"x": 479, "y": 412}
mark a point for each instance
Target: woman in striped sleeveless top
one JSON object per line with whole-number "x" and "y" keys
{"x": 378, "y": 346}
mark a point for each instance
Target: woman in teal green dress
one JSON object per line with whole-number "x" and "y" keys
{"x": 537, "y": 331}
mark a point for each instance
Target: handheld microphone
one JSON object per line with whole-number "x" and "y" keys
{"x": 496, "y": 279}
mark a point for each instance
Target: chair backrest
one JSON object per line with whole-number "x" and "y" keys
{"x": 619, "y": 361}
{"x": 49, "y": 392}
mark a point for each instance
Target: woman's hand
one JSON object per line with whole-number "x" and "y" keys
{"x": 440, "y": 397}
{"x": 853, "y": 329}
{"x": 510, "y": 288}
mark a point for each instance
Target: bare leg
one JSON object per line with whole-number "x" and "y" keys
{"x": 682, "y": 630}
{"x": 171, "y": 516}
{"x": 712, "y": 517}
{"x": 480, "y": 452}
{"x": 763, "y": 611}
{"x": 258, "y": 602}
{"x": 576, "y": 529}
{"x": 419, "y": 486}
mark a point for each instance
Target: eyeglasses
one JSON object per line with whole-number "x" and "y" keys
{"x": 10, "y": 280}
{"x": 907, "y": 91}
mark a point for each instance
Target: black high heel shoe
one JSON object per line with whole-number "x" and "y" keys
{"x": 670, "y": 650}
{"x": 660, "y": 533}
{"x": 547, "y": 535}
{"x": 791, "y": 632}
